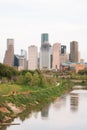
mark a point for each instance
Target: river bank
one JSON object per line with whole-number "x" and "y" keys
{"x": 15, "y": 103}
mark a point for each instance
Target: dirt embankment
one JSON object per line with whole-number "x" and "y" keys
{"x": 9, "y": 111}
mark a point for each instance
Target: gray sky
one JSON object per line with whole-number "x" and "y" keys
{"x": 25, "y": 20}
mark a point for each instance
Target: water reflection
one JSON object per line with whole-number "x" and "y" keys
{"x": 74, "y": 102}
{"x": 59, "y": 102}
{"x": 45, "y": 112}
{"x": 68, "y": 112}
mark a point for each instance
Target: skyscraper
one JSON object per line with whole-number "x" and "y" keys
{"x": 56, "y": 56}
{"x": 32, "y": 58}
{"x": 9, "y": 54}
{"x": 20, "y": 61}
{"x": 45, "y": 56}
{"x": 63, "y": 49}
{"x": 44, "y": 38}
{"x": 74, "y": 53}
{"x": 45, "y": 52}
{"x": 64, "y": 57}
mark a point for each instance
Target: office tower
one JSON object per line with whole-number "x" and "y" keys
{"x": 63, "y": 49}
{"x": 45, "y": 52}
{"x": 9, "y": 54}
{"x": 44, "y": 38}
{"x": 56, "y": 56}
{"x": 24, "y": 53}
{"x": 64, "y": 57}
{"x": 45, "y": 56}
{"x": 20, "y": 61}
{"x": 74, "y": 53}
{"x": 16, "y": 60}
{"x": 23, "y": 60}
{"x": 32, "y": 57}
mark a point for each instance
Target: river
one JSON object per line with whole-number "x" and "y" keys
{"x": 69, "y": 112}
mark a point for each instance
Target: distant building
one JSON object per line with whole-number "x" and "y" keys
{"x": 20, "y": 61}
{"x": 63, "y": 49}
{"x": 16, "y": 60}
{"x": 74, "y": 52}
{"x": 56, "y": 56}
{"x": 79, "y": 67}
{"x": 75, "y": 67}
{"x": 64, "y": 58}
{"x": 32, "y": 58}
{"x": 45, "y": 56}
{"x": 81, "y": 60}
{"x": 9, "y": 54}
{"x": 45, "y": 52}
{"x": 44, "y": 38}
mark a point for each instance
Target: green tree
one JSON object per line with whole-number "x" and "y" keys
{"x": 28, "y": 78}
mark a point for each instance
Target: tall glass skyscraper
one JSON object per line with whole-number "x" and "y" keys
{"x": 45, "y": 52}
{"x": 44, "y": 38}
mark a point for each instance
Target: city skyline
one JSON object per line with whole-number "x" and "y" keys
{"x": 24, "y": 21}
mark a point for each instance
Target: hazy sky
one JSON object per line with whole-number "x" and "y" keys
{"x": 25, "y": 20}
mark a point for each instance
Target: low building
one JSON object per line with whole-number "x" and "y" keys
{"x": 75, "y": 67}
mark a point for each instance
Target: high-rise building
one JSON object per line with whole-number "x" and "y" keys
{"x": 74, "y": 53}
{"x": 56, "y": 56}
{"x": 9, "y": 54}
{"x": 45, "y": 56}
{"x": 32, "y": 57}
{"x": 63, "y": 49}
{"x": 16, "y": 60}
{"x": 44, "y": 38}
{"x": 64, "y": 57}
{"x": 20, "y": 61}
{"x": 45, "y": 52}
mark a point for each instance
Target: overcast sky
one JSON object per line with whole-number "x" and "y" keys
{"x": 25, "y": 20}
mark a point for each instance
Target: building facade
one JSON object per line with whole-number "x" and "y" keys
{"x": 44, "y": 38}
{"x": 9, "y": 54}
{"x": 45, "y": 56}
{"x": 32, "y": 58}
{"x": 63, "y": 49}
{"x": 56, "y": 56}
{"x": 64, "y": 57}
{"x": 74, "y": 53}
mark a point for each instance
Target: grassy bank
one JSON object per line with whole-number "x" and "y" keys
{"x": 15, "y": 98}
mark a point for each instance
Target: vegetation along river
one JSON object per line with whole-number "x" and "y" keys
{"x": 69, "y": 112}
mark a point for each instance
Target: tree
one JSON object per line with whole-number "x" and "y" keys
{"x": 28, "y": 78}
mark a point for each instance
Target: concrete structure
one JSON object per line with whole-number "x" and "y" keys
{"x": 74, "y": 53}
{"x": 9, "y": 54}
{"x": 56, "y": 56}
{"x": 32, "y": 58}
{"x": 45, "y": 56}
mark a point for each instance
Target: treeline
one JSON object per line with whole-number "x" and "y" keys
{"x": 7, "y": 72}
{"x": 32, "y": 78}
